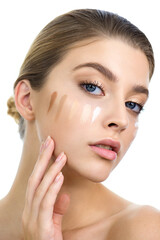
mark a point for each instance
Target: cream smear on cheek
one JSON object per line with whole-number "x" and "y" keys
{"x": 86, "y": 113}
{"x": 53, "y": 98}
{"x": 60, "y": 105}
{"x": 96, "y": 113}
{"x": 74, "y": 108}
{"x": 136, "y": 125}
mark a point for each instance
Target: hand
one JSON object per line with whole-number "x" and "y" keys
{"x": 42, "y": 215}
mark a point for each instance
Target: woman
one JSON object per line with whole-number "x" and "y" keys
{"x": 78, "y": 96}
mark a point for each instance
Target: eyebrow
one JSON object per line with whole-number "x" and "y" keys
{"x": 140, "y": 89}
{"x": 100, "y": 68}
{"x": 111, "y": 76}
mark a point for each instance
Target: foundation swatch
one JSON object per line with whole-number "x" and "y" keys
{"x": 60, "y": 107}
{"x": 74, "y": 109}
{"x": 53, "y": 98}
{"x": 86, "y": 113}
{"x": 136, "y": 124}
{"x": 96, "y": 112}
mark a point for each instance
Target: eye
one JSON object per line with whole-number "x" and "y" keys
{"x": 135, "y": 107}
{"x": 93, "y": 88}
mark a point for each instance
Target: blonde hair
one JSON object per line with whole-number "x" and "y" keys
{"x": 57, "y": 38}
{"x": 12, "y": 111}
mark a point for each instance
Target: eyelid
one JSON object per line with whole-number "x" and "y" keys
{"x": 141, "y": 106}
{"x": 95, "y": 83}
{"x": 100, "y": 85}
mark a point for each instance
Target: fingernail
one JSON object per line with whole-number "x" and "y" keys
{"x": 58, "y": 177}
{"x": 42, "y": 147}
{"x": 47, "y": 142}
{"x": 60, "y": 157}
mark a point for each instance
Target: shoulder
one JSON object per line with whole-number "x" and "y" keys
{"x": 144, "y": 222}
{"x": 136, "y": 223}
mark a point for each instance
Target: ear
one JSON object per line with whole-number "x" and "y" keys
{"x": 23, "y": 101}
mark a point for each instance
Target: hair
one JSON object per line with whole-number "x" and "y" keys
{"x": 57, "y": 37}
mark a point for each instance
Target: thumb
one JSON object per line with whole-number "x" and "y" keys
{"x": 60, "y": 208}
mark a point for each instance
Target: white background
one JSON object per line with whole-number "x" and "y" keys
{"x": 137, "y": 178}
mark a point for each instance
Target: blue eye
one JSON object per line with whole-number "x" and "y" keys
{"x": 92, "y": 88}
{"x": 135, "y": 107}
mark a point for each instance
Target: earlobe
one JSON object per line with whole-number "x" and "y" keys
{"x": 23, "y": 100}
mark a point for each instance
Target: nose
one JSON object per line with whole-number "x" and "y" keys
{"x": 117, "y": 119}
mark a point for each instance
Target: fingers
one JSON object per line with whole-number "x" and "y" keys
{"x": 60, "y": 208}
{"x": 39, "y": 169}
{"x": 47, "y": 204}
{"x": 49, "y": 186}
{"x": 39, "y": 216}
{"x": 38, "y": 182}
{"x": 62, "y": 204}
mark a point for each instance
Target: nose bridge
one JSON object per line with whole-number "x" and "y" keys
{"x": 117, "y": 116}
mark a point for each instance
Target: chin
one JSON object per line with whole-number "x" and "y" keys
{"x": 93, "y": 168}
{"x": 97, "y": 174}
{"x": 99, "y": 179}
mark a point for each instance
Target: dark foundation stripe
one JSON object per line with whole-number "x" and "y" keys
{"x": 53, "y": 98}
{"x": 62, "y": 101}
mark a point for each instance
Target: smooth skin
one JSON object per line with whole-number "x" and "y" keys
{"x": 43, "y": 214}
{"x": 42, "y": 219}
{"x": 78, "y": 206}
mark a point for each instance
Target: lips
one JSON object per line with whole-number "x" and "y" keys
{"x": 106, "y": 148}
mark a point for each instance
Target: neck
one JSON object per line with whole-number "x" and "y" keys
{"x": 13, "y": 203}
{"x": 81, "y": 209}
{"x": 29, "y": 156}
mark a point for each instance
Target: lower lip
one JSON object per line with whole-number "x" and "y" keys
{"x": 105, "y": 153}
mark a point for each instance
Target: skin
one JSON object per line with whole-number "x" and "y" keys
{"x": 66, "y": 112}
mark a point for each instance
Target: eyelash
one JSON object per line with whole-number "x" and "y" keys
{"x": 141, "y": 107}
{"x": 99, "y": 85}
{"x": 94, "y": 83}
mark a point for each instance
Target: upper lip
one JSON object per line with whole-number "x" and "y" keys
{"x": 115, "y": 145}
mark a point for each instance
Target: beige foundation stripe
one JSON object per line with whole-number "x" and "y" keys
{"x": 53, "y": 98}
{"x": 86, "y": 113}
{"x": 74, "y": 108}
{"x": 62, "y": 101}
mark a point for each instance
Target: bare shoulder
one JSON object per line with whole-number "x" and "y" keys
{"x": 144, "y": 223}
{"x": 136, "y": 223}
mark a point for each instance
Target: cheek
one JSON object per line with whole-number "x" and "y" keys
{"x": 69, "y": 121}
{"x": 135, "y": 129}
{"x": 131, "y": 133}
{"x": 67, "y": 111}
{"x": 127, "y": 138}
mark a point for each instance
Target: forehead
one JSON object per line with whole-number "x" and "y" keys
{"x": 123, "y": 60}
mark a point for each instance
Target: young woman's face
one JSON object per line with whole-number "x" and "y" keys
{"x": 94, "y": 94}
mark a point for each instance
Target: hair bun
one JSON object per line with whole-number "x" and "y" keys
{"x": 12, "y": 111}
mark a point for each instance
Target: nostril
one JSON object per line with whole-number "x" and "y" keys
{"x": 112, "y": 125}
